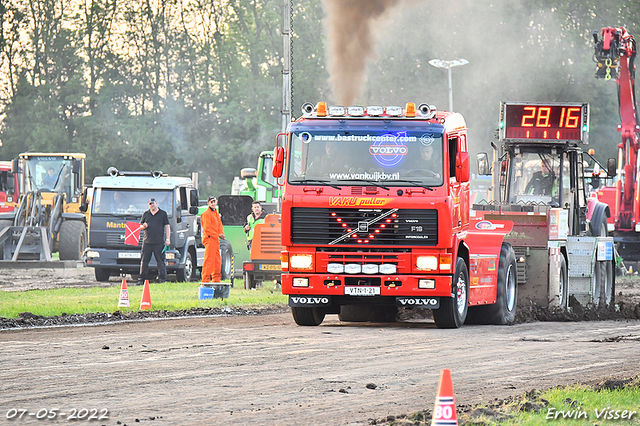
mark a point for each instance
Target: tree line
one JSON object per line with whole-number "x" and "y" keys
{"x": 196, "y": 85}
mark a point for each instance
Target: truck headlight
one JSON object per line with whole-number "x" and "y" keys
{"x": 427, "y": 263}
{"x": 335, "y": 268}
{"x": 170, "y": 256}
{"x": 301, "y": 261}
{"x": 92, "y": 254}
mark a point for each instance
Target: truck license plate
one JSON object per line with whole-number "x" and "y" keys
{"x": 362, "y": 291}
{"x": 135, "y": 255}
{"x": 270, "y": 267}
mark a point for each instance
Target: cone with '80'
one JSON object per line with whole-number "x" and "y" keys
{"x": 444, "y": 411}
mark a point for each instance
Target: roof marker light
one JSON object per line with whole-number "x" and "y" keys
{"x": 321, "y": 109}
{"x": 375, "y": 110}
{"x": 394, "y": 111}
{"x": 355, "y": 111}
{"x": 410, "y": 109}
{"x": 337, "y": 111}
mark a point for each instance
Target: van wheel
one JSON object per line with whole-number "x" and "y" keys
{"x": 185, "y": 274}
{"x": 102, "y": 274}
{"x": 453, "y": 310}
{"x": 308, "y": 316}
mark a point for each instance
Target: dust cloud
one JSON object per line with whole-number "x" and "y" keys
{"x": 352, "y": 42}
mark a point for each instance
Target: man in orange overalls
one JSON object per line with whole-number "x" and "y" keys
{"x": 211, "y": 232}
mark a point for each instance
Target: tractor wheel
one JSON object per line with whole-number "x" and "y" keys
{"x": 604, "y": 294}
{"x": 4, "y": 224}
{"x": 563, "y": 297}
{"x": 72, "y": 240}
{"x": 453, "y": 310}
{"x": 503, "y": 312}
{"x": 308, "y": 316}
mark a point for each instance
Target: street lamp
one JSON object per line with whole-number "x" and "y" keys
{"x": 448, "y": 65}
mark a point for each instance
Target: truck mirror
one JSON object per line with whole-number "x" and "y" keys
{"x": 462, "y": 167}
{"x": 611, "y": 167}
{"x": 248, "y": 173}
{"x": 483, "y": 164}
{"x": 15, "y": 166}
{"x": 193, "y": 199}
{"x": 193, "y": 210}
{"x": 278, "y": 162}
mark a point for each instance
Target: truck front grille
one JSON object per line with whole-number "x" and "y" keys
{"x": 364, "y": 227}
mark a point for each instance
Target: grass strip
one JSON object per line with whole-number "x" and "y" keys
{"x": 165, "y": 296}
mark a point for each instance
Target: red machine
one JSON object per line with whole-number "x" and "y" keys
{"x": 9, "y": 191}
{"x": 375, "y": 216}
{"x": 615, "y": 54}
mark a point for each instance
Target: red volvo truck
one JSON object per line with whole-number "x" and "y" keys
{"x": 375, "y": 216}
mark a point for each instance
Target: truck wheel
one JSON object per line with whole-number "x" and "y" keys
{"x": 102, "y": 274}
{"x": 453, "y": 310}
{"x": 72, "y": 239}
{"x": 367, "y": 313}
{"x": 603, "y": 293}
{"x": 308, "y": 316}
{"x": 185, "y": 274}
{"x": 226, "y": 254}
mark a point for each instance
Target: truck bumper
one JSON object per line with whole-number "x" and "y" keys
{"x": 125, "y": 261}
{"x": 365, "y": 285}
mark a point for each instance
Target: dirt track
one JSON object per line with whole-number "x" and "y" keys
{"x": 266, "y": 370}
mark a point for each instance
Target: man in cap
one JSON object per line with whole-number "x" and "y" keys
{"x": 157, "y": 234}
{"x": 211, "y": 233}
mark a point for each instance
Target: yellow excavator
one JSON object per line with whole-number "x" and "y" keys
{"x": 47, "y": 217}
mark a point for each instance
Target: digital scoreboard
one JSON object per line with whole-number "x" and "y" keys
{"x": 544, "y": 122}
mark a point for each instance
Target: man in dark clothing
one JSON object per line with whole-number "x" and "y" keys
{"x": 541, "y": 182}
{"x": 156, "y": 225}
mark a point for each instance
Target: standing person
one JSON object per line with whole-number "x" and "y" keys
{"x": 156, "y": 232}
{"x": 257, "y": 216}
{"x": 212, "y": 231}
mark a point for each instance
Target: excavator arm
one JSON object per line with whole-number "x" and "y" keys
{"x": 615, "y": 53}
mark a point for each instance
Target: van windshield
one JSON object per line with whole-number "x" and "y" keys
{"x": 129, "y": 202}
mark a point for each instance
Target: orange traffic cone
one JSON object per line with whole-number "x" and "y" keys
{"x": 124, "y": 295}
{"x": 444, "y": 412}
{"x": 145, "y": 303}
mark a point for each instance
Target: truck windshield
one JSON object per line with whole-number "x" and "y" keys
{"x": 129, "y": 202}
{"x": 360, "y": 157}
{"x": 49, "y": 173}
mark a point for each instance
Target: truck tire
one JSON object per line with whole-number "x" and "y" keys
{"x": 603, "y": 294}
{"x": 503, "y": 312}
{"x": 186, "y": 273}
{"x": 72, "y": 239}
{"x": 308, "y": 316}
{"x": 453, "y": 310}
{"x": 102, "y": 274}
{"x": 367, "y": 313}
{"x": 226, "y": 260}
